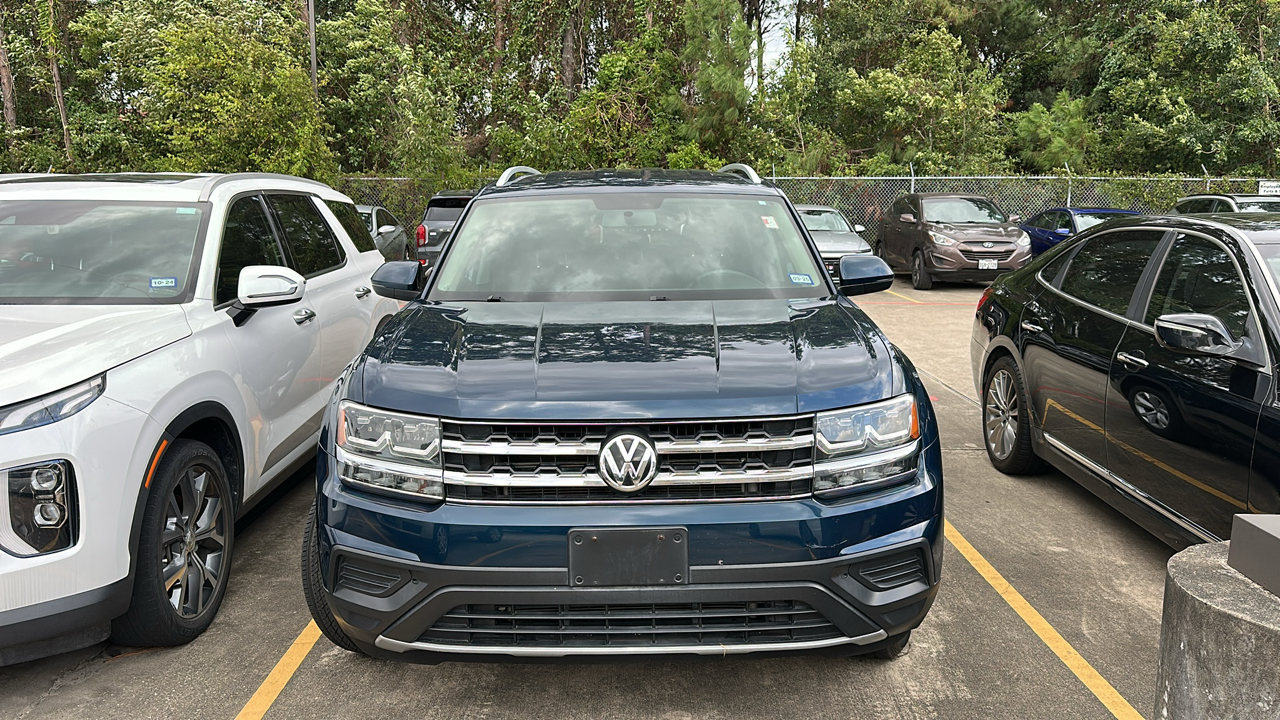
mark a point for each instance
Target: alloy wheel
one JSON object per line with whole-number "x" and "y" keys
{"x": 194, "y": 541}
{"x": 1151, "y": 409}
{"x": 1001, "y": 414}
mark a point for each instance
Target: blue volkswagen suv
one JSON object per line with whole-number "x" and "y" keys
{"x": 629, "y": 412}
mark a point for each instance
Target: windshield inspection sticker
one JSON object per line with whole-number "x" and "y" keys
{"x": 800, "y": 279}
{"x": 157, "y": 283}
{"x": 185, "y": 211}
{"x": 769, "y": 222}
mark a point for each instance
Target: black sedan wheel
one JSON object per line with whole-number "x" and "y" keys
{"x": 184, "y": 550}
{"x": 1006, "y": 425}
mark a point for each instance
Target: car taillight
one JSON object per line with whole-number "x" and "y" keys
{"x": 422, "y": 235}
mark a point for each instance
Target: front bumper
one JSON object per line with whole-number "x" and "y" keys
{"x": 459, "y": 582}
{"x": 78, "y": 589}
{"x": 948, "y": 263}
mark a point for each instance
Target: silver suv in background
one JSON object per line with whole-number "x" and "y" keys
{"x": 443, "y": 210}
{"x": 1213, "y": 203}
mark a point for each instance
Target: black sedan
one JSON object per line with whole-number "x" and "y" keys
{"x": 1139, "y": 358}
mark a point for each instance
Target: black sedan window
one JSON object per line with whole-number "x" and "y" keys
{"x": 1105, "y": 272}
{"x": 1199, "y": 277}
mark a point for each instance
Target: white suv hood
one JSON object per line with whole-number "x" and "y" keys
{"x": 44, "y": 348}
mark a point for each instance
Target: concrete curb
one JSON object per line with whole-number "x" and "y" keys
{"x": 1219, "y": 641}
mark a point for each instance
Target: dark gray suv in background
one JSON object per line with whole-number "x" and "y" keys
{"x": 951, "y": 236}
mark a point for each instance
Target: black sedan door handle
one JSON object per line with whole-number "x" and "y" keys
{"x": 1031, "y": 327}
{"x": 1132, "y": 362}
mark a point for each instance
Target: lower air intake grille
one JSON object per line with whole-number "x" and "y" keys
{"x": 370, "y": 581}
{"x": 646, "y": 625}
{"x": 893, "y": 571}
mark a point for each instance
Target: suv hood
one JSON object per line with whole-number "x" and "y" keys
{"x": 839, "y": 243}
{"x": 44, "y": 348}
{"x": 966, "y": 231}
{"x": 584, "y": 361}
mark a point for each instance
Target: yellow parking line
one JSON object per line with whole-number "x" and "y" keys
{"x": 1092, "y": 680}
{"x": 270, "y": 688}
{"x": 904, "y": 297}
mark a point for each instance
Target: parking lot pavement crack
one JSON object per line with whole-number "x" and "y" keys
{"x": 74, "y": 676}
{"x": 944, "y": 384}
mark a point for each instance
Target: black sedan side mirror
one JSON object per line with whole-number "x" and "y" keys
{"x": 862, "y": 274}
{"x": 399, "y": 280}
{"x": 1195, "y": 333}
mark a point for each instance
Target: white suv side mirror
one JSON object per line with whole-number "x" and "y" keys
{"x": 267, "y": 285}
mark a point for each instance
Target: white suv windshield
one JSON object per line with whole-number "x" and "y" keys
{"x": 85, "y": 251}
{"x": 628, "y": 246}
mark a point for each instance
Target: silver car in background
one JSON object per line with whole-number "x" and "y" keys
{"x": 833, "y": 234}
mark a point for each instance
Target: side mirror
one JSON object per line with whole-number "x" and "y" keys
{"x": 1195, "y": 333}
{"x": 399, "y": 280}
{"x": 862, "y": 274}
{"x": 1015, "y": 218}
{"x": 907, "y": 218}
{"x": 1063, "y": 231}
{"x": 387, "y": 230}
{"x": 267, "y": 285}
{"x": 859, "y": 229}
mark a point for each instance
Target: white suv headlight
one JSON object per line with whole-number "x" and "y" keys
{"x": 52, "y": 407}
{"x": 389, "y": 452}
{"x": 866, "y": 446}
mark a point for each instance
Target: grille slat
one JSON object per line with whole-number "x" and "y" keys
{"x": 1000, "y": 255}
{"x": 780, "y": 621}
{"x": 895, "y": 571}
{"x": 700, "y": 460}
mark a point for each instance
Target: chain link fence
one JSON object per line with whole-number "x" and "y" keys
{"x": 865, "y": 200}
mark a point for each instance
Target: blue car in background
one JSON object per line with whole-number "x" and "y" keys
{"x": 1057, "y": 224}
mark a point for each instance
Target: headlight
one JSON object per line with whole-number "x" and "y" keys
{"x": 866, "y": 446}
{"x": 389, "y": 452}
{"x": 41, "y": 508}
{"x": 941, "y": 239}
{"x": 1023, "y": 238}
{"x": 52, "y": 407}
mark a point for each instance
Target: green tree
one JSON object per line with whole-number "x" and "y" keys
{"x": 716, "y": 55}
{"x": 1057, "y": 138}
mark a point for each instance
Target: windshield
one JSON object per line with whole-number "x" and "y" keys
{"x": 1086, "y": 220}
{"x": 445, "y": 208}
{"x": 628, "y": 246}
{"x": 1271, "y": 253}
{"x": 829, "y": 220}
{"x": 85, "y": 251}
{"x": 1258, "y": 205}
{"x": 959, "y": 211}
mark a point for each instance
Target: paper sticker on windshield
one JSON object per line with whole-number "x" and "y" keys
{"x": 185, "y": 211}
{"x": 769, "y": 222}
{"x": 158, "y": 283}
{"x": 800, "y": 279}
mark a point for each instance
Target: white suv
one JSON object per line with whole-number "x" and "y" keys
{"x": 168, "y": 344}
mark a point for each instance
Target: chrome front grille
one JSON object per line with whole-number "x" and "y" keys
{"x": 974, "y": 254}
{"x": 768, "y": 458}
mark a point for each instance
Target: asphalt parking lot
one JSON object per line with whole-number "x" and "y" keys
{"x": 1049, "y": 607}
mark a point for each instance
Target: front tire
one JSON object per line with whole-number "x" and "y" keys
{"x": 920, "y": 278}
{"x": 896, "y": 648}
{"x": 184, "y": 550}
{"x": 1006, "y": 420}
{"x": 313, "y": 588}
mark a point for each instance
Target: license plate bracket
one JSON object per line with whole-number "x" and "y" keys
{"x": 989, "y": 264}
{"x": 613, "y": 557}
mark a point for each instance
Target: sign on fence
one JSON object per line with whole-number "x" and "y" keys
{"x": 1269, "y": 187}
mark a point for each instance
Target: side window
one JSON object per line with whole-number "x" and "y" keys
{"x": 897, "y": 208}
{"x": 1105, "y": 272}
{"x": 1222, "y": 206}
{"x": 389, "y": 219}
{"x": 353, "y": 224}
{"x": 306, "y": 234}
{"x": 1199, "y": 277}
{"x": 1062, "y": 221}
{"x": 1049, "y": 273}
{"x": 1199, "y": 205}
{"x": 247, "y": 240}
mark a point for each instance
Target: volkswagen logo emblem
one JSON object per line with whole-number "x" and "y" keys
{"x": 988, "y": 244}
{"x": 628, "y": 462}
